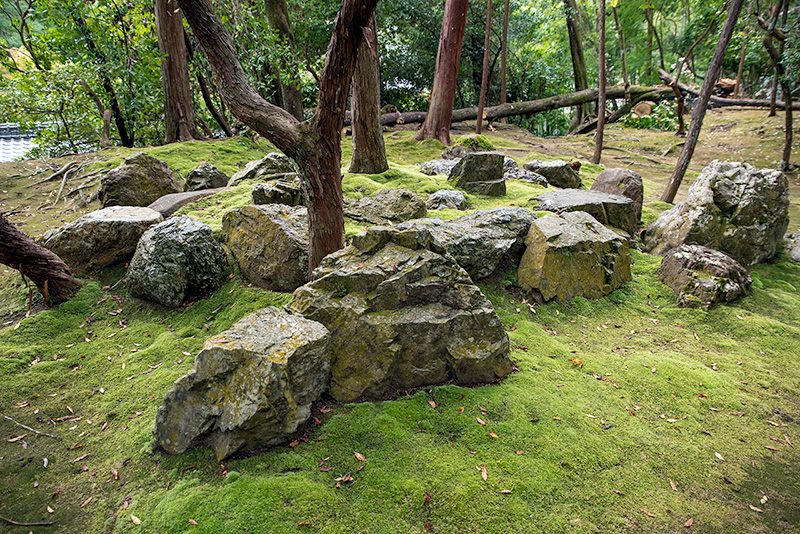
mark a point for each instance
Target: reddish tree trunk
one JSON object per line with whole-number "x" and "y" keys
{"x": 485, "y": 75}
{"x": 578, "y": 58}
{"x": 601, "y": 101}
{"x": 445, "y": 78}
{"x": 503, "y": 65}
{"x": 47, "y": 271}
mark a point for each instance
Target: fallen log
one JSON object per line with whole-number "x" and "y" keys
{"x": 525, "y": 108}
{"x": 723, "y": 102}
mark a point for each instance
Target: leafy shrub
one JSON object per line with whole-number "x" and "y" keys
{"x": 662, "y": 118}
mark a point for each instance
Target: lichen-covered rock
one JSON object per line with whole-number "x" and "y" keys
{"x": 401, "y": 314}
{"x": 270, "y": 244}
{"x": 468, "y": 144}
{"x": 571, "y": 255}
{"x": 438, "y": 166}
{"x": 169, "y": 204}
{"x": 610, "y": 210}
{"x": 483, "y": 241}
{"x": 176, "y": 259}
{"x": 387, "y": 207}
{"x": 205, "y": 176}
{"x": 702, "y": 277}
{"x": 279, "y": 192}
{"x": 557, "y": 173}
{"x": 139, "y": 181}
{"x": 447, "y": 199}
{"x": 731, "y": 207}
{"x": 481, "y": 173}
{"x": 101, "y": 238}
{"x": 622, "y": 182}
{"x": 791, "y": 245}
{"x": 517, "y": 173}
{"x": 250, "y": 386}
{"x": 274, "y": 163}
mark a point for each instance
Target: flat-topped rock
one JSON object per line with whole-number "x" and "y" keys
{"x": 279, "y": 192}
{"x": 274, "y": 165}
{"x": 169, "y": 204}
{"x": 557, "y": 172}
{"x": 623, "y": 182}
{"x": 387, "y": 207}
{"x": 481, "y": 173}
{"x": 205, "y": 176}
{"x": 447, "y": 199}
{"x": 610, "y": 210}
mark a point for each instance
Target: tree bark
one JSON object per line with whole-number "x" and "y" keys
{"x": 699, "y": 111}
{"x": 772, "y": 33}
{"x": 726, "y": 102}
{"x": 601, "y": 101}
{"x": 738, "y": 91}
{"x": 47, "y": 271}
{"x": 314, "y": 144}
{"x": 578, "y": 58}
{"x": 219, "y": 117}
{"x": 485, "y": 76}
{"x": 369, "y": 153}
{"x": 622, "y": 55}
{"x": 291, "y": 96}
{"x": 445, "y": 77}
{"x": 503, "y": 58}
{"x": 178, "y": 109}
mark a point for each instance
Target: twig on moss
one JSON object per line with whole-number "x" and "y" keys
{"x": 32, "y": 429}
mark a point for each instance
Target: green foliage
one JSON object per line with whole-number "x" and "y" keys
{"x": 662, "y": 118}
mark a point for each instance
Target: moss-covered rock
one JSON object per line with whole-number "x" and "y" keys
{"x": 139, "y": 181}
{"x": 272, "y": 166}
{"x": 481, "y": 173}
{"x": 388, "y": 206}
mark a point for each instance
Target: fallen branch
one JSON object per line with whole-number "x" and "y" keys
{"x": 723, "y": 102}
{"x": 31, "y": 429}
{"x": 16, "y": 523}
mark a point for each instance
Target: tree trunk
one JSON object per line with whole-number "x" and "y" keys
{"x": 178, "y": 110}
{"x": 47, "y": 271}
{"x": 622, "y": 55}
{"x": 775, "y": 55}
{"x": 726, "y": 102}
{"x": 369, "y": 153}
{"x": 291, "y": 96}
{"x": 314, "y": 144}
{"x": 485, "y": 75}
{"x": 738, "y": 91}
{"x": 219, "y": 117}
{"x": 699, "y": 111}
{"x": 601, "y": 102}
{"x": 504, "y": 53}
{"x": 445, "y": 77}
{"x": 578, "y": 59}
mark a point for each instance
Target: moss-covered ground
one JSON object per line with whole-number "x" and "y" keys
{"x": 627, "y": 414}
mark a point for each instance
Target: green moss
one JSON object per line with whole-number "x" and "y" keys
{"x": 479, "y": 142}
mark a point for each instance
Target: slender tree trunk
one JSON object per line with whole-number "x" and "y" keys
{"x": 445, "y": 78}
{"x": 699, "y": 111}
{"x": 291, "y": 96}
{"x": 47, "y": 271}
{"x": 219, "y": 117}
{"x": 485, "y": 77}
{"x": 369, "y": 153}
{"x": 578, "y": 59}
{"x": 738, "y": 91}
{"x": 504, "y": 53}
{"x": 314, "y": 144}
{"x": 649, "y": 45}
{"x": 178, "y": 109}
{"x": 601, "y": 101}
{"x": 776, "y": 55}
{"x": 626, "y": 81}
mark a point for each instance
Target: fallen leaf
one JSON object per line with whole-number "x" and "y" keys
{"x": 493, "y": 435}
{"x": 136, "y": 520}
{"x": 719, "y": 456}
{"x": 127, "y": 502}
{"x": 771, "y": 448}
{"x": 427, "y": 498}
{"x": 115, "y": 473}
{"x": 557, "y": 419}
{"x": 70, "y": 409}
{"x": 87, "y": 501}
{"x": 788, "y": 440}
{"x": 645, "y": 512}
{"x": 359, "y": 457}
{"x": 484, "y": 474}
{"x": 481, "y": 421}
{"x": 433, "y": 404}
{"x": 35, "y": 483}
{"x": 592, "y": 416}
{"x": 50, "y": 510}
{"x": 505, "y": 491}
{"x": 461, "y": 410}
{"x": 520, "y": 452}
{"x": 294, "y": 444}
{"x": 360, "y": 467}
{"x": 753, "y": 508}
{"x": 12, "y": 440}
{"x": 323, "y": 461}
{"x": 192, "y": 521}
{"x": 689, "y": 523}
{"x": 672, "y": 485}
{"x": 79, "y": 458}
{"x": 672, "y": 420}
{"x": 618, "y": 492}
{"x": 324, "y": 410}
{"x": 326, "y": 468}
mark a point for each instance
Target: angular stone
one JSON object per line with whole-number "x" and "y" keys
{"x": 438, "y": 166}
{"x": 251, "y": 386}
{"x": 447, "y": 199}
{"x": 731, "y": 207}
{"x": 139, "y": 181}
{"x": 702, "y": 277}
{"x": 401, "y": 315}
{"x": 169, "y": 204}
{"x": 517, "y": 173}
{"x": 387, "y": 207}
{"x": 610, "y": 210}
{"x": 483, "y": 241}
{"x": 791, "y": 245}
{"x": 206, "y": 176}
{"x": 176, "y": 259}
{"x": 274, "y": 163}
{"x": 279, "y": 192}
{"x": 622, "y": 182}
{"x": 571, "y": 255}
{"x": 557, "y": 173}
{"x": 270, "y": 244}
{"x": 481, "y": 173}
{"x": 101, "y": 238}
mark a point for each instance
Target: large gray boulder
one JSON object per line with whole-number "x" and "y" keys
{"x": 481, "y": 173}
{"x": 139, "y": 181}
{"x": 731, "y": 207}
{"x": 101, "y": 238}
{"x": 205, "y": 176}
{"x": 270, "y": 244}
{"x": 438, "y": 166}
{"x": 610, "y": 210}
{"x": 622, "y": 182}
{"x": 401, "y": 314}
{"x": 483, "y": 241}
{"x": 702, "y": 277}
{"x": 571, "y": 255}
{"x": 169, "y": 204}
{"x": 176, "y": 259}
{"x": 250, "y": 386}
{"x": 447, "y": 199}
{"x": 557, "y": 172}
{"x": 288, "y": 193}
{"x": 387, "y": 207}
{"x": 271, "y": 165}
{"x": 517, "y": 173}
